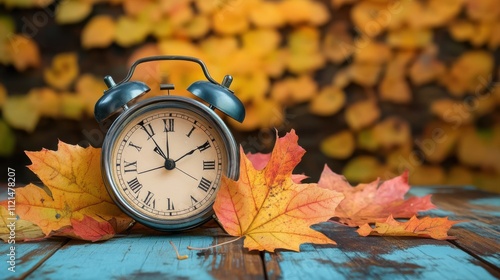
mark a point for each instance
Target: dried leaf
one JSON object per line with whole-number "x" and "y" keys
{"x": 340, "y": 145}
{"x": 21, "y": 112}
{"x": 392, "y": 132}
{"x": 89, "y": 89}
{"x": 13, "y": 228}
{"x": 365, "y": 74}
{"x": 23, "y": 52}
{"x": 230, "y": 22}
{"x": 63, "y": 71}
{"x": 337, "y": 42}
{"x": 363, "y": 168}
{"x": 479, "y": 148}
{"x": 266, "y": 14}
{"x": 265, "y": 113}
{"x": 294, "y": 90}
{"x": 436, "y": 228}
{"x": 370, "y": 18}
{"x": 72, "y": 11}
{"x": 99, "y": 32}
{"x": 482, "y": 10}
{"x": 135, "y": 7}
{"x": 362, "y": 114}
{"x": 329, "y": 101}
{"x": 466, "y": 73}
{"x": 426, "y": 67}
{"x": 397, "y": 91}
{"x": 260, "y": 160}
{"x": 373, "y": 53}
{"x": 197, "y": 27}
{"x": 261, "y": 42}
{"x": 409, "y": 38}
{"x": 72, "y": 106}
{"x": 92, "y": 230}
{"x": 304, "y": 11}
{"x": 46, "y": 100}
{"x": 438, "y": 141}
{"x": 462, "y": 30}
{"x": 131, "y": 31}
{"x": 268, "y": 208}
{"x": 432, "y": 13}
{"x": 375, "y": 201}
{"x": 304, "y": 48}
{"x": 73, "y": 176}
{"x": 251, "y": 87}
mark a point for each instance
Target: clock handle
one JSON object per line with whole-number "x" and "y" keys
{"x": 169, "y": 57}
{"x": 218, "y": 95}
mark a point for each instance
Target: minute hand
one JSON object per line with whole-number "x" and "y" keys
{"x": 201, "y": 148}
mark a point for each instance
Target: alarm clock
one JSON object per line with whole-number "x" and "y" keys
{"x": 163, "y": 157}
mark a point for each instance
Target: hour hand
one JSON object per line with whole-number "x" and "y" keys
{"x": 160, "y": 152}
{"x": 201, "y": 148}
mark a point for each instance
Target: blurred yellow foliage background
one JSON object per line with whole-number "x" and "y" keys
{"x": 373, "y": 87}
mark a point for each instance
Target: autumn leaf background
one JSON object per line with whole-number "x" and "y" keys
{"x": 373, "y": 87}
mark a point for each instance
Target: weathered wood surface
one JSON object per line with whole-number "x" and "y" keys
{"x": 475, "y": 254}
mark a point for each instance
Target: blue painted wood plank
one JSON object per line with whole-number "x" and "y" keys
{"x": 28, "y": 256}
{"x": 479, "y": 233}
{"x": 358, "y": 257}
{"x": 149, "y": 256}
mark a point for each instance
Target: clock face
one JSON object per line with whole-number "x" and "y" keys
{"x": 167, "y": 163}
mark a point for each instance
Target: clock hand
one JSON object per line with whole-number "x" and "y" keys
{"x": 186, "y": 173}
{"x": 157, "y": 148}
{"x": 168, "y": 151}
{"x": 201, "y": 148}
{"x": 152, "y": 169}
{"x": 160, "y": 152}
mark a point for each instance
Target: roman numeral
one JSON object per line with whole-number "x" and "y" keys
{"x": 148, "y": 199}
{"x": 135, "y": 146}
{"x": 130, "y": 166}
{"x": 209, "y": 165}
{"x": 134, "y": 185}
{"x": 193, "y": 201}
{"x": 204, "y": 184}
{"x": 170, "y": 204}
{"x": 191, "y": 131}
{"x": 148, "y": 128}
{"x": 169, "y": 125}
{"x": 203, "y": 147}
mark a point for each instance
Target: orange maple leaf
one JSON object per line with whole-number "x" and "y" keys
{"x": 75, "y": 191}
{"x": 268, "y": 208}
{"x": 375, "y": 201}
{"x": 429, "y": 227}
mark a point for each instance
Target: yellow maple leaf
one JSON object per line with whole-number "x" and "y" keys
{"x": 268, "y": 208}
{"x": 72, "y": 174}
{"x": 436, "y": 228}
{"x": 13, "y": 228}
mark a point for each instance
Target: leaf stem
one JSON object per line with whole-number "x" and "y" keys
{"x": 216, "y": 245}
{"x": 179, "y": 257}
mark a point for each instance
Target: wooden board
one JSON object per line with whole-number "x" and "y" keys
{"x": 479, "y": 233}
{"x": 474, "y": 255}
{"x": 150, "y": 256}
{"x": 358, "y": 257}
{"x": 29, "y": 256}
